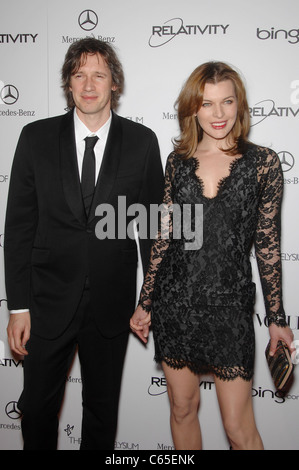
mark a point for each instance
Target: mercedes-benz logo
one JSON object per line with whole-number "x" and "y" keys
{"x": 9, "y": 94}
{"x": 12, "y": 411}
{"x": 88, "y": 20}
{"x": 287, "y": 160}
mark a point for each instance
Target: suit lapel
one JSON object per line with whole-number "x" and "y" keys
{"x": 109, "y": 166}
{"x": 69, "y": 167}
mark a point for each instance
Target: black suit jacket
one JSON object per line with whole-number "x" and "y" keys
{"x": 51, "y": 247}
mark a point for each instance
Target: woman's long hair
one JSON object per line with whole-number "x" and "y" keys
{"x": 190, "y": 100}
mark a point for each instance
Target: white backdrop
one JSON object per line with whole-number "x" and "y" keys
{"x": 159, "y": 43}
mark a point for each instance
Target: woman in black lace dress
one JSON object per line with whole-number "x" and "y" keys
{"x": 200, "y": 296}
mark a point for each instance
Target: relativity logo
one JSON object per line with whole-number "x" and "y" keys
{"x": 162, "y": 34}
{"x": 18, "y": 38}
{"x": 267, "y": 108}
{"x": 158, "y": 386}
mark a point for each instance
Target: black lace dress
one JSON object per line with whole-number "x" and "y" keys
{"x": 201, "y": 300}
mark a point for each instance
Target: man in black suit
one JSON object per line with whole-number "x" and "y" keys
{"x": 68, "y": 287}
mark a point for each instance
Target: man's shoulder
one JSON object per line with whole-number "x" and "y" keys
{"x": 134, "y": 127}
{"x": 46, "y": 123}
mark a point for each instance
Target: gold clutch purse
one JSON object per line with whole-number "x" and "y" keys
{"x": 280, "y": 365}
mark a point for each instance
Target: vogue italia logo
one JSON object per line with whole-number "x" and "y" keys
{"x": 162, "y": 34}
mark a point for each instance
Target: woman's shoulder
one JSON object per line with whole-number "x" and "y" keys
{"x": 265, "y": 156}
{"x": 175, "y": 159}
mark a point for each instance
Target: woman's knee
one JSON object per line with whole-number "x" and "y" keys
{"x": 183, "y": 392}
{"x": 242, "y": 434}
{"x": 184, "y": 406}
{"x": 233, "y": 429}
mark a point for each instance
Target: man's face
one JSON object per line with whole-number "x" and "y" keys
{"x": 91, "y": 87}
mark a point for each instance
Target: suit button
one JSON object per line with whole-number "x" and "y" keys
{"x": 88, "y": 230}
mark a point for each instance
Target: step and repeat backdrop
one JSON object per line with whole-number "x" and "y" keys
{"x": 159, "y": 43}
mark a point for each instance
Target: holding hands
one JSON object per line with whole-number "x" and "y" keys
{"x": 140, "y": 323}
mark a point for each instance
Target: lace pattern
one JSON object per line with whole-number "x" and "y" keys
{"x": 161, "y": 243}
{"x": 196, "y": 296}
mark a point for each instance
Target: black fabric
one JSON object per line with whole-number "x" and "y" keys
{"x": 45, "y": 371}
{"x": 88, "y": 172}
{"x": 51, "y": 247}
{"x": 202, "y": 300}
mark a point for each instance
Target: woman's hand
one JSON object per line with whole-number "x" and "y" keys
{"x": 140, "y": 323}
{"x": 280, "y": 333}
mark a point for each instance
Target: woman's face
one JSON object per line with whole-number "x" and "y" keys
{"x": 218, "y": 112}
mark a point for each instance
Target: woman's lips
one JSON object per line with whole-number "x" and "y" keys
{"x": 218, "y": 125}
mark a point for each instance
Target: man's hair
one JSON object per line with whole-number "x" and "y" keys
{"x": 77, "y": 55}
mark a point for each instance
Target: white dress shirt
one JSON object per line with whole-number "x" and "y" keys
{"x": 81, "y": 131}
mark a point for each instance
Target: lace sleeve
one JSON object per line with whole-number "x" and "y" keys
{"x": 162, "y": 239}
{"x": 267, "y": 239}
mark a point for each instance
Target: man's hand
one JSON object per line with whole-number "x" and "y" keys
{"x": 18, "y": 332}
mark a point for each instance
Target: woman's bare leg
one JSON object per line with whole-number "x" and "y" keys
{"x": 235, "y": 401}
{"x": 183, "y": 392}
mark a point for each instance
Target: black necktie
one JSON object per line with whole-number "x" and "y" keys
{"x": 88, "y": 172}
